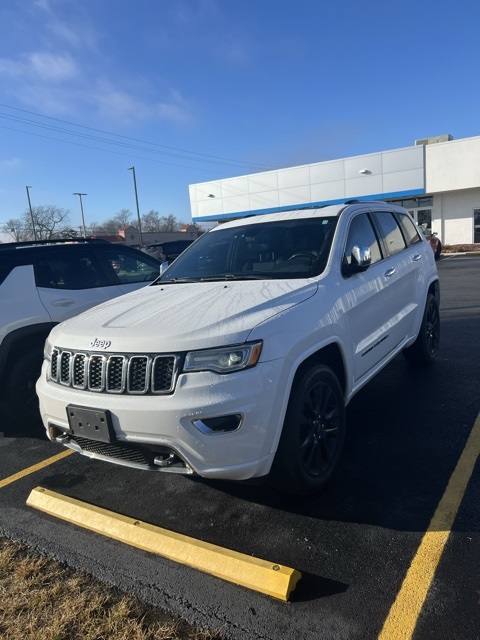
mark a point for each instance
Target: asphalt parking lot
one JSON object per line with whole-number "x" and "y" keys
{"x": 364, "y": 544}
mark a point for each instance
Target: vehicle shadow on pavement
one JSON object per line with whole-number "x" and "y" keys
{"x": 12, "y": 427}
{"x": 404, "y": 438}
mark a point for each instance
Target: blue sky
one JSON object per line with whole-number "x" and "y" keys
{"x": 195, "y": 90}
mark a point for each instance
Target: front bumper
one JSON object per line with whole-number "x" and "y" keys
{"x": 163, "y": 424}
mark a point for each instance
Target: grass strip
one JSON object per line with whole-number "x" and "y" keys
{"x": 41, "y": 599}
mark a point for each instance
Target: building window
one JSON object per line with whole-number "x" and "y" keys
{"x": 476, "y": 225}
{"x": 413, "y": 203}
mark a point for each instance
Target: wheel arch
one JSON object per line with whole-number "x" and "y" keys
{"x": 330, "y": 355}
{"x": 434, "y": 289}
{"x": 24, "y": 338}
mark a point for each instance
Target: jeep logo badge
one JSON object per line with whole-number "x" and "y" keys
{"x": 100, "y": 344}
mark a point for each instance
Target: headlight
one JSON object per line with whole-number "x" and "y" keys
{"x": 225, "y": 359}
{"x": 47, "y": 350}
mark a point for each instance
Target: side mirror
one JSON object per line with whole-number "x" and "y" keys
{"x": 163, "y": 267}
{"x": 360, "y": 260}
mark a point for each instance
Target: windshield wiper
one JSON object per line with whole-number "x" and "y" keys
{"x": 219, "y": 278}
{"x": 176, "y": 280}
{"x": 235, "y": 276}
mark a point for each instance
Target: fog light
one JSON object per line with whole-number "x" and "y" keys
{"x": 220, "y": 424}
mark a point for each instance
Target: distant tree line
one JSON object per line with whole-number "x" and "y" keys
{"x": 48, "y": 222}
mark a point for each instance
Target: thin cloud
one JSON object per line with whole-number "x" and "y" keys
{"x": 40, "y": 66}
{"x": 83, "y": 36}
{"x": 45, "y": 5}
{"x": 122, "y": 106}
{"x": 53, "y": 67}
{"x": 10, "y": 163}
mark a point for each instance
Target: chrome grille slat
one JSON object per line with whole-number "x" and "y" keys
{"x": 132, "y": 374}
{"x": 79, "y": 371}
{"x": 96, "y": 372}
{"x": 54, "y": 365}
{"x": 116, "y": 374}
{"x": 163, "y": 371}
{"x": 137, "y": 377}
{"x": 65, "y": 368}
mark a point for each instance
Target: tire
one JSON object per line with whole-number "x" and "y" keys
{"x": 313, "y": 433}
{"x": 425, "y": 348}
{"x": 22, "y": 377}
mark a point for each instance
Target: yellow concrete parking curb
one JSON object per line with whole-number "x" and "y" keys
{"x": 267, "y": 577}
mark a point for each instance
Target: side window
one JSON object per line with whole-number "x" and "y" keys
{"x": 130, "y": 267}
{"x": 409, "y": 229}
{"x": 5, "y": 269}
{"x": 361, "y": 234}
{"x": 391, "y": 234}
{"x": 69, "y": 271}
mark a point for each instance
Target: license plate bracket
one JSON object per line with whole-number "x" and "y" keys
{"x": 94, "y": 424}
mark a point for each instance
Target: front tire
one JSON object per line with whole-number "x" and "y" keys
{"x": 313, "y": 434}
{"x": 425, "y": 348}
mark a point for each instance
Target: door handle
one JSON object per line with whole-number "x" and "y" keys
{"x": 390, "y": 272}
{"x": 62, "y": 303}
{"x": 417, "y": 257}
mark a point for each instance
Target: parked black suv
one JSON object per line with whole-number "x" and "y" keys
{"x": 45, "y": 282}
{"x": 167, "y": 251}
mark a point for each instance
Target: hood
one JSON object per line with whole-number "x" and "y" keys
{"x": 181, "y": 317}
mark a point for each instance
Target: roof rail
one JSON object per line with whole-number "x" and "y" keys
{"x": 34, "y": 243}
{"x": 356, "y": 201}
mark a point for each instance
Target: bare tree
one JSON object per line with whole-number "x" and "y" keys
{"x": 170, "y": 223}
{"x": 49, "y": 222}
{"x": 15, "y": 229}
{"x": 113, "y": 224}
{"x": 151, "y": 222}
{"x": 154, "y": 222}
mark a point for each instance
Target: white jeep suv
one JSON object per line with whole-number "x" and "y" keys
{"x": 239, "y": 360}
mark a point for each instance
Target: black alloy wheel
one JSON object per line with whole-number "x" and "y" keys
{"x": 425, "y": 348}
{"x": 432, "y": 328}
{"x": 313, "y": 434}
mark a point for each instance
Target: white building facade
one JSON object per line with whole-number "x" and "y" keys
{"x": 437, "y": 180}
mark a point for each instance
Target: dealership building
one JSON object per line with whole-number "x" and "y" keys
{"x": 437, "y": 180}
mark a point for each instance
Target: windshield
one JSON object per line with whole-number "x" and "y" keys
{"x": 281, "y": 249}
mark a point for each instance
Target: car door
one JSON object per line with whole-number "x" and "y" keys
{"x": 70, "y": 282}
{"x": 405, "y": 275}
{"x": 365, "y": 301}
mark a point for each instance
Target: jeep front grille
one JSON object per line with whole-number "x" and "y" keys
{"x": 118, "y": 373}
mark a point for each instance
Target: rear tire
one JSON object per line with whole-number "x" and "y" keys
{"x": 313, "y": 434}
{"x": 425, "y": 348}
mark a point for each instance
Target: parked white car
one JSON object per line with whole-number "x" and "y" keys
{"x": 45, "y": 282}
{"x": 239, "y": 360}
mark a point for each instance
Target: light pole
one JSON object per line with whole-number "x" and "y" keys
{"x": 136, "y": 200}
{"x": 81, "y": 210}
{"x": 31, "y": 213}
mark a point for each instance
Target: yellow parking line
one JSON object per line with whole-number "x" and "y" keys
{"x": 267, "y": 577}
{"x": 402, "y": 619}
{"x": 35, "y": 467}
